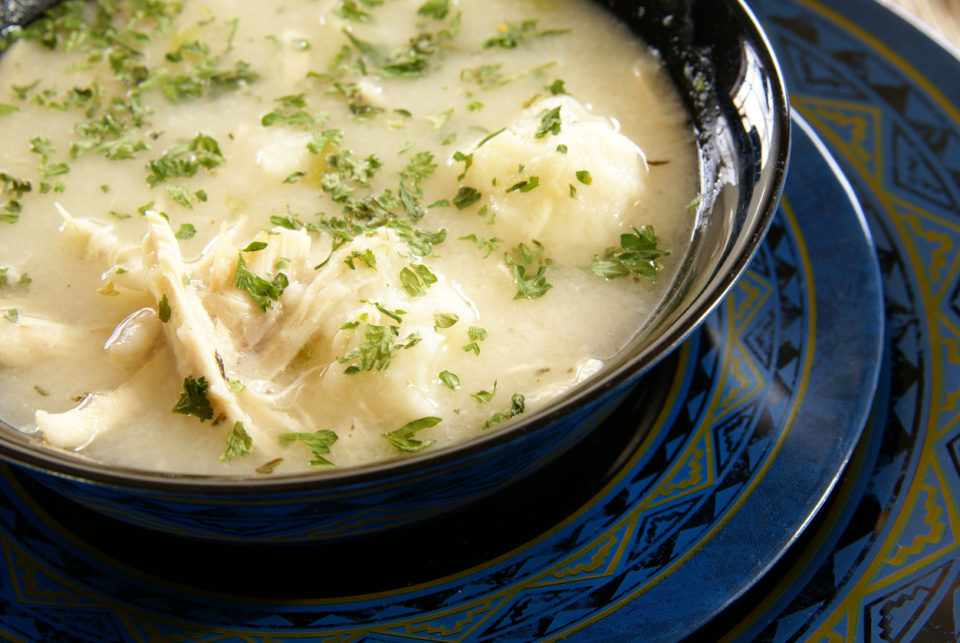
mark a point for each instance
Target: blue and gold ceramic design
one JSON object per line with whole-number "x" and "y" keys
{"x": 884, "y": 564}
{"x": 735, "y": 464}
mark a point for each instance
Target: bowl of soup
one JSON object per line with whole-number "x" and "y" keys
{"x": 321, "y": 269}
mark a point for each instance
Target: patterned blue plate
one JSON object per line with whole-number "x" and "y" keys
{"x": 670, "y": 510}
{"x": 883, "y": 561}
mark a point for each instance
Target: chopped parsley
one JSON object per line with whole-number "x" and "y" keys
{"x": 348, "y": 10}
{"x": 437, "y": 9}
{"x": 450, "y": 380}
{"x": 319, "y": 443}
{"x": 21, "y": 282}
{"x": 466, "y": 197}
{"x": 490, "y": 136}
{"x": 486, "y": 246}
{"x": 476, "y": 335}
{"x": 484, "y": 397}
{"x": 419, "y": 241}
{"x": 584, "y": 177}
{"x": 263, "y": 292}
{"x": 181, "y": 194}
{"x": 331, "y": 137}
{"x": 557, "y": 87}
{"x": 412, "y": 61}
{"x": 522, "y": 259}
{"x": 638, "y": 254}
{"x": 186, "y": 231}
{"x": 403, "y": 438}
{"x": 513, "y": 35}
{"x": 14, "y": 188}
{"x": 163, "y": 309}
{"x": 377, "y": 351}
{"x": 525, "y": 186}
{"x": 185, "y": 160}
{"x": 549, "y": 122}
{"x": 41, "y": 145}
{"x": 193, "y": 399}
{"x": 517, "y": 405}
{"x": 239, "y": 443}
{"x": 466, "y": 159}
{"x": 365, "y": 257}
{"x": 444, "y": 320}
{"x": 291, "y": 111}
{"x": 416, "y": 278}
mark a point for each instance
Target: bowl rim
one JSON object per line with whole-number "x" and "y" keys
{"x": 72, "y": 466}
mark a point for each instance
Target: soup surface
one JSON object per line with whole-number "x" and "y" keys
{"x": 258, "y": 238}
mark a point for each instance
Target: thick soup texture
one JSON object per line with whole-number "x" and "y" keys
{"x": 240, "y": 237}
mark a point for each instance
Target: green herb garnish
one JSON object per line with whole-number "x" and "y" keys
{"x": 466, "y": 197}
{"x": 163, "y": 309}
{"x": 444, "y": 320}
{"x": 638, "y": 254}
{"x": 522, "y": 259}
{"x": 549, "y": 122}
{"x": 263, "y": 292}
{"x": 516, "y": 34}
{"x": 403, "y": 438}
{"x": 525, "y": 186}
{"x": 450, "y": 380}
{"x": 238, "y": 443}
{"x": 193, "y": 400}
{"x": 185, "y": 160}
{"x": 437, "y": 9}
{"x": 517, "y": 405}
{"x": 319, "y": 443}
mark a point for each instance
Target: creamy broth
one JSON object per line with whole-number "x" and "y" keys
{"x": 347, "y": 229}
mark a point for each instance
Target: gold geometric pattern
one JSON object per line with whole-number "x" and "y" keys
{"x": 596, "y": 562}
{"x": 925, "y": 528}
{"x": 693, "y": 471}
{"x": 854, "y": 125}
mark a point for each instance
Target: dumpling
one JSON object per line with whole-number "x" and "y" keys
{"x": 586, "y": 176}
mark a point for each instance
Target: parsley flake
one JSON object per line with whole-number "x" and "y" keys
{"x": 437, "y": 9}
{"x": 549, "y": 122}
{"x": 638, "y": 254}
{"x": 263, "y": 292}
{"x": 522, "y": 259}
{"x": 403, "y": 438}
{"x": 319, "y": 443}
{"x": 525, "y": 186}
{"x": 450, "y": 380}
{"x": 517, "y": 406}
{"x": 239, "y": 443}
{"x": 513, "y": 35}
{"x": 163, "y": 309}
{"x": 466, "y": 197}
{"x": 185, "y": 160}
{"x": 445, "y": 320}
{"x": 193, "y": 400}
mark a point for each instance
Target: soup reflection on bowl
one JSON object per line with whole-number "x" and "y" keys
{"x": 324, "y": 269}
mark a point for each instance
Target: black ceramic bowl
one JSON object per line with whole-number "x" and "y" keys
{"x": 719, "y": 58}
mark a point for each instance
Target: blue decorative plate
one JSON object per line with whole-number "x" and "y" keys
{"x": 883, "y": 561}
{"x": 667, "y": 513}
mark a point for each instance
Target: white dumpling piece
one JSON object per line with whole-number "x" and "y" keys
{"x": 572, "y": 226}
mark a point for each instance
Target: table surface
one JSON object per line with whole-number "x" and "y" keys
{"x": 943, "y": 16}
